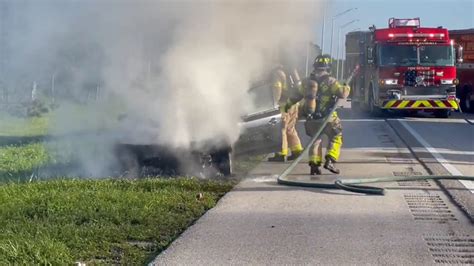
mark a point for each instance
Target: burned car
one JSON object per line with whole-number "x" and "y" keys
{"x": 259, "y": 134}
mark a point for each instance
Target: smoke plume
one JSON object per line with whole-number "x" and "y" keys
{"x": 179, "y": 70}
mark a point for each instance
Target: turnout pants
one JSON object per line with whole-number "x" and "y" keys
{"x": 289, "y": 135}
{"x": 333, "y": 130}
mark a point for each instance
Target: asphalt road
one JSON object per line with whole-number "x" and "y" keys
{"x": 416, "y": 222}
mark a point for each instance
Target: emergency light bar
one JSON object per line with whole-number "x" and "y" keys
{"x": 416, "y": 35}
{"x": 397, "y": 23}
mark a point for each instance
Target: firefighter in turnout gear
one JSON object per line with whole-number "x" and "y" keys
{"x": 285, "y": 85}
{"x": 322, "y": 92}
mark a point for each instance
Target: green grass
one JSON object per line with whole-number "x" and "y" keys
{"x": 59, "y": 222}
{"x": 18, "y": 161}
{"x": 21, "y": 162}
{"x": 100, "y": 222}
{"x": 23, "y": 151}
{"x": 24, "y": 127}
{"x": 68, "y": 118}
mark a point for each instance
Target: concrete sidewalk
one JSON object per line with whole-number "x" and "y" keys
{"x": 262, "y": 223}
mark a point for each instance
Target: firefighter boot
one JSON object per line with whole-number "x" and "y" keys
{"x": 294, "y": 155}
{"x": 314, "y": 168}
{"x": 329, "y": 165}
{"x": 278, "y": 157}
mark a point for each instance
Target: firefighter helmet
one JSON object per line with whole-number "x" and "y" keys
{"x": 322, "y": 62}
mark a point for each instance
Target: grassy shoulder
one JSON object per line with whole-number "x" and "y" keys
{"x": 93, "y": 221}
{"x": 101, "y": 221}
{"x": 68, "y": 118}
{"x": 19, "y": 161}
{"x": 23, "y": 127}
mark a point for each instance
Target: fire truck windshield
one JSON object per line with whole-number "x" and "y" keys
{"x": 412, "y": 55}
{"x": 436, "y": 55}
{"x": 398, "y": 55}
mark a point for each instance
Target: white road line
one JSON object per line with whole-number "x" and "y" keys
{"x": 450, "y": 168}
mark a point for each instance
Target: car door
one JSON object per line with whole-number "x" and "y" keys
{"x": 260, "y": 129}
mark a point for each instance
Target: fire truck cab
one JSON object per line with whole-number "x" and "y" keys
{"x": 403, "y": 67}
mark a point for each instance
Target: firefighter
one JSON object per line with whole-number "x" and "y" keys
{"x": 322, "y": 92}
{"x": 284, "y": 86}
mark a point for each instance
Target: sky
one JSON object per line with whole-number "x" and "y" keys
{"x": 451, "y": 14}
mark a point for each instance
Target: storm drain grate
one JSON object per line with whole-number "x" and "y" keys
{"x": 451, "y": 249}
{"x": 406, "y": 173}
{"x": 429, "y": 208}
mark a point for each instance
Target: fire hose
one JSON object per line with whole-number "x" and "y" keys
{"x": 352, "y": 185}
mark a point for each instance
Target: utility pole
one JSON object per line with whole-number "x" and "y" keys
{"x": 343, "y": 54}
{"x": 332, "y": 26}
{"x": 339, "y": 44}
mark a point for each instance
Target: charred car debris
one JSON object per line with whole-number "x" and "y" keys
{"x": 259, "y": 134}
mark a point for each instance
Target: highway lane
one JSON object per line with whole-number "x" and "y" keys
{"x": 452, "y": 139}
{"x": 444, "y": 147}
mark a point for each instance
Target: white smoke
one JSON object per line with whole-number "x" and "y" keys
{"x": 216, "y": 50}
{"x": 181, "y": 69}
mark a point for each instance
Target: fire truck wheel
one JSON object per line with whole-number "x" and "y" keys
{"x": 373, "y": 109}
{"x": 467, "y": 105}
{"x": 442, "y": 113}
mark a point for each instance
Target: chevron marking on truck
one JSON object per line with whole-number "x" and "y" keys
{"x": 420, "y": 104}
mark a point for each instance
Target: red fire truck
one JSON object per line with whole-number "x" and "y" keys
{"x": 465, "y": 70}
{"x": 403, "y": 67}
